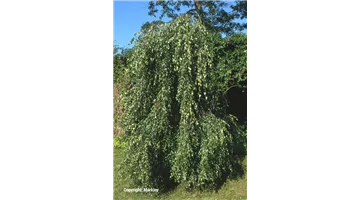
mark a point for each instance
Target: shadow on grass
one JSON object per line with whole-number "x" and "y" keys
{"x": 238, "y": 172}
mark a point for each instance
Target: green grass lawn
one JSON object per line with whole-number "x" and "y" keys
{"x": 232, "y": 189}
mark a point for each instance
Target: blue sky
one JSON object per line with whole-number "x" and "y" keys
{"x": 129, "y": 16}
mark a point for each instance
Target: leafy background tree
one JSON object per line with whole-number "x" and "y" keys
{"x": 120, "y": 64}
{"x": 217, "y": 16}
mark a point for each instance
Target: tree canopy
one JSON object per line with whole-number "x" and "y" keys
{"x": 217, "y": 16}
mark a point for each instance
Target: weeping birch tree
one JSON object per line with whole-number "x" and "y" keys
{"x": 175, "y": 121}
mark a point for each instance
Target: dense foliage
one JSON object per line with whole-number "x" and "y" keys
{"x": 120, "y": 62}
{"x": 232, "y": 61}
{"x": 175, "y": 121}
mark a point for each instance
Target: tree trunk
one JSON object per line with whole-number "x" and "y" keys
{"x": 198, "y": 5}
